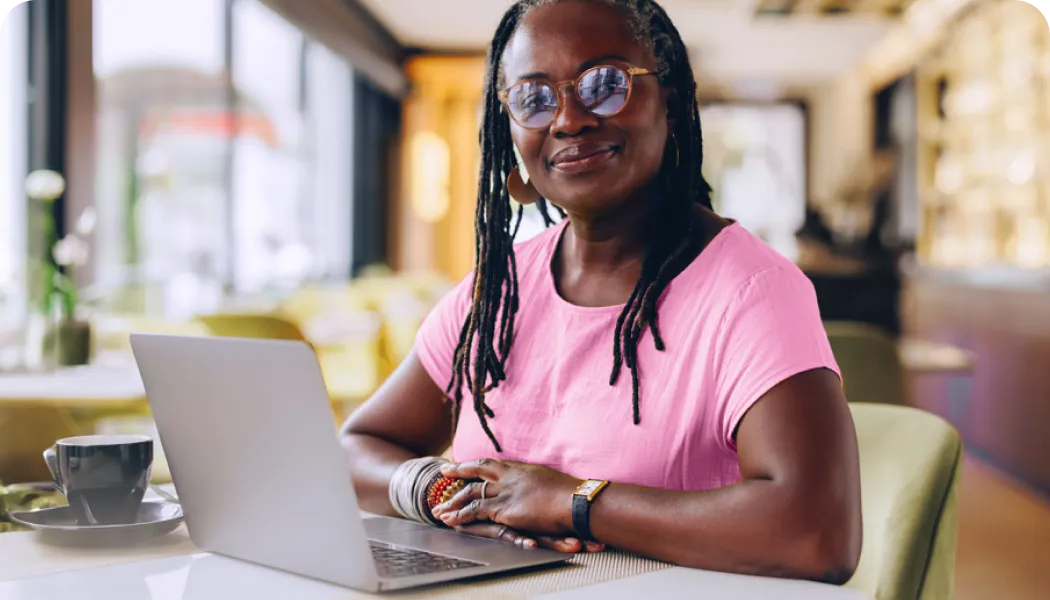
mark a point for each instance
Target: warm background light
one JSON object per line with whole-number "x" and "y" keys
{"x": 430, "y": 185}
{"x": 985, "y": 201}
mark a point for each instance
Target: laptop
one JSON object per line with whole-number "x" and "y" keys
{"x": 254, "y": 454}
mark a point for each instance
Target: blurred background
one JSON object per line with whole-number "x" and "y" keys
{"x": 308, "y": 170}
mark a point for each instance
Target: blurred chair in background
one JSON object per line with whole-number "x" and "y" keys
{"x": 250, "y": 325}
{"x": 910, "y": 464}
{"x": 111, "y": 333}
{"x": 869, "y": 361}
{"x": 25, "y": 432}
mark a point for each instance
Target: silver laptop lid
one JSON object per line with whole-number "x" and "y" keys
{"x": 253, "y": 449}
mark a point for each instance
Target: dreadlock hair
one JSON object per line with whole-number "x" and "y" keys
{"x": 481, "y": 355}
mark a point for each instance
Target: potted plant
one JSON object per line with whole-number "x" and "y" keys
{"x": 57, "y": 333}
{"x": 72, "y": 332}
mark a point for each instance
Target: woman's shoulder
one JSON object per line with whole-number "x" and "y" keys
{"x": 744, "y": 255}
{"x": 736, "y": 261}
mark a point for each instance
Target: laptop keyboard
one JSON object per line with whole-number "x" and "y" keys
{"x": 398, "y": 561}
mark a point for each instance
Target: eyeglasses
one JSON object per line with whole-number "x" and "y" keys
{"x": 603, "y": 91}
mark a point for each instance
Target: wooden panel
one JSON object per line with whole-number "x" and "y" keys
{"x": 1003, "y": 410}
{"x": 444, "y": 105}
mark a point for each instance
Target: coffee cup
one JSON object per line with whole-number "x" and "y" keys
{"x": 103, "y": 477}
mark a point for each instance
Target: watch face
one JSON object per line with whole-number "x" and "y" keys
{"x": 588, "y": 487}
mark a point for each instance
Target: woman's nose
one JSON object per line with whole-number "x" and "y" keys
{"x": 571, "y": 118}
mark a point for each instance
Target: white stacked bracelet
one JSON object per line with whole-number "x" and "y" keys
{"x": 408, "y": 488}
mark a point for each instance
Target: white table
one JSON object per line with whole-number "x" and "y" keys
{"x": 211, "y": 577}
{"x": 96, "y": 387}
{"x": 171, "y": 567}
{"x": 184, "y": 573}
{"x": 114, "y": 384}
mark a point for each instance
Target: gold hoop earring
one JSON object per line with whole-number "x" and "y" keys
{"x": 523, "y": 192}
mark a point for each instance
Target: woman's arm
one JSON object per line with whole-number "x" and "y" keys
{"x": 796, "y": 512}
{"x": 407, "y": 418}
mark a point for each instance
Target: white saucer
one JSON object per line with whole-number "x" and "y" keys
{"x": 58, "y": 525}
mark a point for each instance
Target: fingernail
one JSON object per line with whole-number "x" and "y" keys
{"x": 446, "y": 518}
{"x": 440, "y": 508}
{"x": 530, "y": 545}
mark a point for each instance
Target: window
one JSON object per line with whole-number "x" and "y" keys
{"x": 271, "y": 220}
{"x": 13, "y": 149}
{"x": 224, "y": 165}
{"x": 291, "y": 180}
{"x": 329, "y": 146}
{"x": 161, "y": 185}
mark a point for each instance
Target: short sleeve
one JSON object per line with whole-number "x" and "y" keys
{"x": 770, "y": 332}
{"x": 438, "y": 336}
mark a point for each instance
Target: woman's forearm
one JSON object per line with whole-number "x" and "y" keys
{"x": 758, "y": 527}
{"x": 372, "y": 465}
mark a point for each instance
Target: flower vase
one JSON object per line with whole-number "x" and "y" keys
{"x": 72, "y": 343}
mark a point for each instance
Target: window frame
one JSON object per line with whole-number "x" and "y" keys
{"x": 13, "y": 303}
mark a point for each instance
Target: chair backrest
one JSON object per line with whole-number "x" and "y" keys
{"x": 910, "y": 463}
{"x": 869, "y": 361}
{"x": 249, "y": 325}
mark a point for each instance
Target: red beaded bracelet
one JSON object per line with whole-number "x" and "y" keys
{"x": 437, "y": 489}
{"x": 443, "y": 489}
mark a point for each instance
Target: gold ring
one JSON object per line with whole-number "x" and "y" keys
{"x": 483, "y": 487}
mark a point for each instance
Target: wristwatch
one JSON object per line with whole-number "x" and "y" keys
{"x": 581, "y": 506}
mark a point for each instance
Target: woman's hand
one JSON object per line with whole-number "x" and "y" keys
{"x": 569, "y": 545}
{"x": 526, "y": 498}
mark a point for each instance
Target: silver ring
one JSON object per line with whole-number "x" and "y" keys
{"x": 483, "y": 487}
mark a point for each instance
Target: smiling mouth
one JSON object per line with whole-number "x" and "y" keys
{"x": 585, "y": 162}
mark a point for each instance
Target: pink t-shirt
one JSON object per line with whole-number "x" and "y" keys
{"x": 740, "y": 319}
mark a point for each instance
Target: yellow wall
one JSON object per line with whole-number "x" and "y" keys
{"x": 440, "y": 160}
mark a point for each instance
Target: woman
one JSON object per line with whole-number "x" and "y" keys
{"x": 644, "y": 344}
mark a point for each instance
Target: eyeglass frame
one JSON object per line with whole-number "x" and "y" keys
{"x": 631, "y": 72}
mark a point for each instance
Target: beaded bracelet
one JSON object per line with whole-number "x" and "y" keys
{"x": 442, "y": 490}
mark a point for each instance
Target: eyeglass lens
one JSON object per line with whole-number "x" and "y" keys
{"x": 602, "y": 91}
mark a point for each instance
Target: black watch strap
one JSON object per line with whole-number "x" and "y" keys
{"x": 581, "y": 517}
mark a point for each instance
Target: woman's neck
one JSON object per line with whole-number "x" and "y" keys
{"x": 603, "y": 246}
{"x": 609, "y": 242}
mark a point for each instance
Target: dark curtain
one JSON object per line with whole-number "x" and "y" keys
{"x": 377, "y": 123}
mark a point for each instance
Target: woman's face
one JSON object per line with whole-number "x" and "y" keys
{"x": 587, "y": 165}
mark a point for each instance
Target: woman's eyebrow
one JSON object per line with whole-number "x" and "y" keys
{"x": 583, "y": 67}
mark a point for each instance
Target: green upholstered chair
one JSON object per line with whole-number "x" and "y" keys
{"x": 251, "y": 325}
{"x": 870, "y": 365}
{"x": 910, "y": 464}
